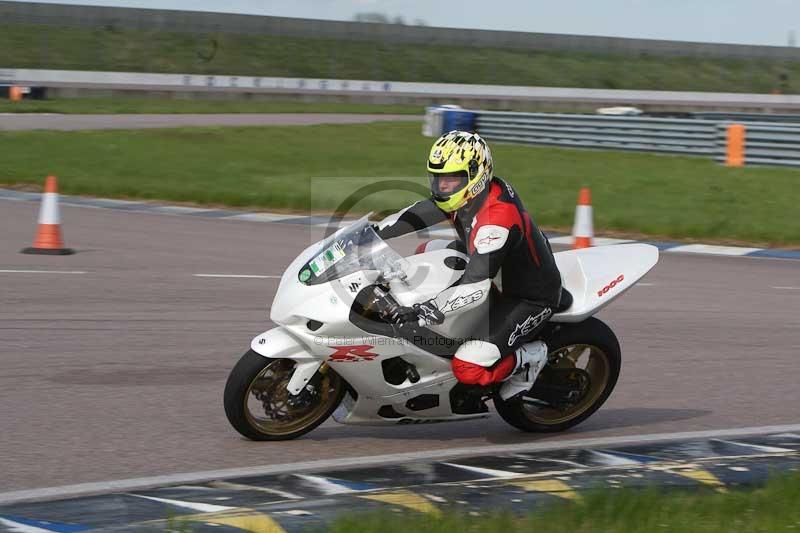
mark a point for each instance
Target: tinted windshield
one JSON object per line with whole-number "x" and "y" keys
{"x": 353, "y": 248}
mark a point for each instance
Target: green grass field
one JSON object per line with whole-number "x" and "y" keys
{"x": 145, "y": 105}
{"x": 315, "y": 168}
{"x": 114, "y": 49}
{"x": 773, "y": 508}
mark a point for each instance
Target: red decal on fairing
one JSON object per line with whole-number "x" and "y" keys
{"x": 352, "y": 354}
{"x": 611, "y": 285}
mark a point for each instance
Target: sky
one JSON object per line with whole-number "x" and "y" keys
{"x": 765, "y": 22}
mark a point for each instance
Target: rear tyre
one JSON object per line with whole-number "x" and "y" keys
{"x": 259, "y": 406}
{"x": 586, "y": 355}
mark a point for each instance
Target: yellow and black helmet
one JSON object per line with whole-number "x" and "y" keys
{"x": 459, "y": 154}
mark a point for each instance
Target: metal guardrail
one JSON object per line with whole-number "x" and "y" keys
{"x": 765, "y": 143}
{"x": 732, "y": 116}
{"x": 602, "y": 132}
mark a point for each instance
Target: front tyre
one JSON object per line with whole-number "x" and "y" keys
{"x": 259, "y": 406}
{"x": 583, "y": 367}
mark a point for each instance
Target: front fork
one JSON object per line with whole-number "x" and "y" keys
{"x": 311, "y": 389}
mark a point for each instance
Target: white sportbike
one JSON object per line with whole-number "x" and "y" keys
{"x": 335, "y": 352}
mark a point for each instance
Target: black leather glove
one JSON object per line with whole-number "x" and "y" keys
{"x": 421, "y": 314}
{"x": 403, "y": 315}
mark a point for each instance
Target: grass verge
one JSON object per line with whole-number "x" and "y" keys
{"x": 116, "y": 49}
{"x": 314, "y": 168}
{"x": 772, "y": 508}
{"x": 144, "y": 105}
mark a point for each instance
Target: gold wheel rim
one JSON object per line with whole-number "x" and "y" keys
{"x": 266, "y": 403}
{"x": 595, "y": 362}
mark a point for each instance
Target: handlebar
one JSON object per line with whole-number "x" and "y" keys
{"x": 393, "y": 275}
{"x": 385, "y": 303}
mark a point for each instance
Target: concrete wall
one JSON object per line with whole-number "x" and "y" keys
{"x": 192, "y": 21}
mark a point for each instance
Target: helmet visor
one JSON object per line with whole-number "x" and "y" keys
{"x": 446, "y": 183}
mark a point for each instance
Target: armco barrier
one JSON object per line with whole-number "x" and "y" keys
{"x": 677, "y": 136}
{"x": 748, "y": 143}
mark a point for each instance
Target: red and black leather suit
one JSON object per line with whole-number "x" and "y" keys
{"x": 499, "y": 236}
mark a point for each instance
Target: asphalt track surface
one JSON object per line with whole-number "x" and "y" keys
{"x": 25, "y": 121}
{"x": 118, "y": 372}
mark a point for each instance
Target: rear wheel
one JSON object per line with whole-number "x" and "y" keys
{"x": 583, "y": 367}
{"x": 259, "y": 406}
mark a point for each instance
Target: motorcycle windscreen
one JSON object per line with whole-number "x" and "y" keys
{"x": 351, "y": 249}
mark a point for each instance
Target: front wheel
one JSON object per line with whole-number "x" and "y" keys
{"x": 259, "y": 406}
{"x": 582, "y": 368}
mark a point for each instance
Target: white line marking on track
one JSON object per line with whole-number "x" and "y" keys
{"x": 194, "y": 506}
{"x": 256, "y": 276}
{"x": 43, "y": 272}
{"x": 296, "y": 512}
{"x": 788, "y": 436}
{"x": 712, "y": 249}
{"x": 609, "y": 459}
{"x": 491, "y": 472}
{"x": 262, "y": 217}
{"x": 326, "y": 485}
{"x": 787, "y": 288}
{"x": 758, "y": 447}
{"x": 573, "y": 464}
{"x": 127, "y": 485}
{"x": 242, "y": 487}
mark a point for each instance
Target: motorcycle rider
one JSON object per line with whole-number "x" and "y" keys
{"x": 499, "y": 236}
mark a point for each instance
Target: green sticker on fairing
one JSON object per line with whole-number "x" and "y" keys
{"x": 327, "y": 258}
{"x": 304, "y": 275}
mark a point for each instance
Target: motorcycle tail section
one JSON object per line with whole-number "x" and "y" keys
{"x": 597, "y": 276}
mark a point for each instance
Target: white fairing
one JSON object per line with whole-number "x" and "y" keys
{"x": 597, "y": 276}
{"x": 314, "y": 327}
{"x": 278, "y": 343}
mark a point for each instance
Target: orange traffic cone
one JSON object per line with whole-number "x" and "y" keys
{"x": 582, "y": 231}
{"x": 48, "y": 237}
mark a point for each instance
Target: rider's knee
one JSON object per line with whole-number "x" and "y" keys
{"x": 473, "y": 362}
{"x": 480, "y": 353}
{"x": 470, "y": 373}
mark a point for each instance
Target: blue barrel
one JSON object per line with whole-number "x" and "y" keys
{"x": 454, "y": 119}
